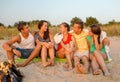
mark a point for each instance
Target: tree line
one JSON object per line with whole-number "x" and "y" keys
{"x": 89, "y": 21}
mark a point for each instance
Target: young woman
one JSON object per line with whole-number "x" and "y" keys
{"x": 66, "y": 46}
{"x": 97, "y": 50}
{"x": 45, "y": 39}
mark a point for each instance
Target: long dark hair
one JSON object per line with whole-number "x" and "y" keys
{"x": 46, "y": 33}
{"x": 96, "y": 30}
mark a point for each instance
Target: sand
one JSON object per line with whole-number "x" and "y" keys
{"x": 34, "y": 72}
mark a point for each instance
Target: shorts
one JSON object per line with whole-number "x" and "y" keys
{"x": 25, "y": 53}
{"x": 81, "y": 54}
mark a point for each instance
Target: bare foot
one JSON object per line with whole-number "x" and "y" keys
{"x": 46, "y": 64}
{"x": 97, "y": 72}
{"x": 106, "y": 73}
{"x": 82, "y": 69}
{"x": 51, "y": 62}
{"x": 70, "y": 68}
{"x": 77, "y": 69}
{"x": 21, "y": 65}
{"x": 66, "y": 65}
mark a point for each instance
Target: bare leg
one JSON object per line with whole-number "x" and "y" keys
{"x": 101, "y": 62}
{"x": 94, "y": 65}
{"x": 85, "y": 61}
{"x": 72, "y": 59}
{"x": 67, "y": 54}
{"x": 103, "y": 55}
{"x": 10, "y": 56}
{"x": 34, "y": 54}
{"x": 61, "y": 53}
{"x": 44, "y": 56}
{"x": 51, "y": 54}
{"x": 84, "y": 68}
{"x": 76, "y": 63}
{"x": 72, "y": 46}
{"x": 17, "y": 53}
{"x": 11, "y": 53}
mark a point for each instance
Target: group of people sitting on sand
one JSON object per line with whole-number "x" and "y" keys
{"x": 82, "y": 48}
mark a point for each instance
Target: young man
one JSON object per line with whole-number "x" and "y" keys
{"x": 82, "y": 52}
{"x": 26, "y": 41}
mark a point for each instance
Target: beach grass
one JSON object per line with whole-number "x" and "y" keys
{"x": 7, "y": 33}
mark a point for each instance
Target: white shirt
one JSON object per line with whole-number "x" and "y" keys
{"x": 27, "y": 43}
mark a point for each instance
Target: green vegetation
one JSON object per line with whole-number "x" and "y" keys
{"x": 90, "y": 21}
{"x": 6, "y": 33}
{"x": 75, "y": 19}
{"x": 20, "y": 60}
{"x": 112, "y": 27}
{"x": 112, "y": 30}
{"x": 1, "y": 24}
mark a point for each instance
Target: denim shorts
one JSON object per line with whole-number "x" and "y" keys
{"x": 25, "y": 53}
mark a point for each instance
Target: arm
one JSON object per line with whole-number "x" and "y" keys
{"x": 106, "y": 41}
{"x": 40, "y": 42}
{"x": 64, "y": 46}
{"x": 88, "y": 47}
{"x": 71, "y": 46}
{"x": 33, "y": 32}
{"x": 8, "y": 45}
{"x": 51, "y": 37}
{"x": 104, "y": 38}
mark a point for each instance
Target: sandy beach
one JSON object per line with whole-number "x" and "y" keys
{"x": 34, "y": 72}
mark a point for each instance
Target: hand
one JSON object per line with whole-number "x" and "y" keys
{"x": 106, "y": 41}
{"x": 47, "y": 45}
{"x": 69, "y": 50}
{"x": 95, "y": 36}
{"x": 50, "y": 44}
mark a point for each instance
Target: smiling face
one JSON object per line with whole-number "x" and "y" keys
{"x": 62, "y": 28}
{"x": 44, "y": 27}
{"x": 90, "y": 32}
{"x": 25, "y": 29}
{"x": 76, "y": 28}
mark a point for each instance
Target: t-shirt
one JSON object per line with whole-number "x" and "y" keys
{"x": 92, "y": 45}
{"x": 81, "y": 41}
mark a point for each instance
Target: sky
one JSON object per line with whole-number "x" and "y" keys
{"x": 57, "y": 11}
